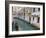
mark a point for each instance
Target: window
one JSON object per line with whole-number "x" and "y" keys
{"x": 38, "y": 19}
{"x": 38, "y": 9}
{"x": 33, "y": 18}
{"x": 33, "y": 9}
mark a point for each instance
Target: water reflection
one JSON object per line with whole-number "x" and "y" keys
{"x": 16, "y": 26}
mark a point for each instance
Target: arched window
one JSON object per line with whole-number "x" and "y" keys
{"x": 33, "y": 9}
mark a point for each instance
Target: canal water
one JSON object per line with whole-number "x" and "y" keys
{"x": 23, "y": 25}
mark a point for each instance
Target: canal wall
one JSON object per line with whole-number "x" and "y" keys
{"x": 36, "y": 25}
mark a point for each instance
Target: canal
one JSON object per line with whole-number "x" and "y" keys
{"x": 22, "y": 25}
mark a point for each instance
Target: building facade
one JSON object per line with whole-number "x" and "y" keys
{"x": 35, "y": 17}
